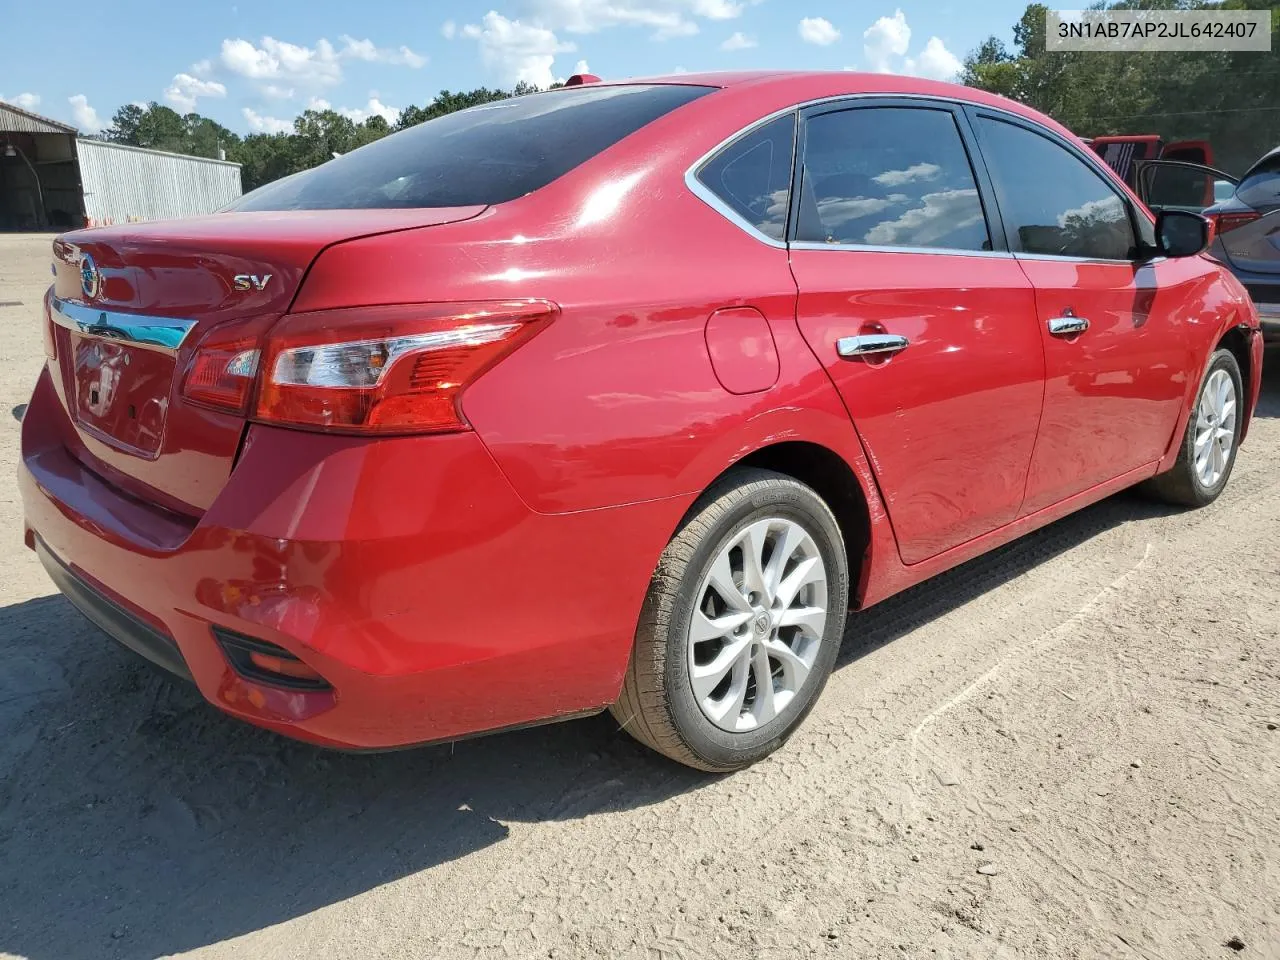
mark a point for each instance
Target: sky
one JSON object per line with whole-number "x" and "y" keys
{"x": 254, "y": 67}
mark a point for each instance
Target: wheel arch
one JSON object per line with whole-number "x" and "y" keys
{"x": 836, "y": 482}
{"x": 1239, "y": 340}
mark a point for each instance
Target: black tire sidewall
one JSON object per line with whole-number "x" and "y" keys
{"x": 711, "y": 744}
{"x": 1222, "y": 360}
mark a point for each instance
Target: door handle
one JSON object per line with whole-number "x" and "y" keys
{"x": 1066, "y": 326}
{"x": 871, "y": 344}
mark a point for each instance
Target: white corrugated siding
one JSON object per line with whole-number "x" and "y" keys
{"x": 122, "y": 184}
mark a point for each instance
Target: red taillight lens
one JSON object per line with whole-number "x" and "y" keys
{"x": 391, "y": 369}
{"x": 1223, "y": 222}
{"x": 223, "y": 370}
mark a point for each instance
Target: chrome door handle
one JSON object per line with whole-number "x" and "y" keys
{"x": 1065, "y": 326}
{"x": 869, "y": 344}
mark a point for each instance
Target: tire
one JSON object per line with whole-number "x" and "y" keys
{"x": 658, "y": 704}
{"x": 1186, "y": 483}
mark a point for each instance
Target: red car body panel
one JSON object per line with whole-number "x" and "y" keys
{"x": 455, "y": 583}
{"x": 944, "y": 483}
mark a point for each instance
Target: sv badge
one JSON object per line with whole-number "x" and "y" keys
{"x": 251, "y": 281}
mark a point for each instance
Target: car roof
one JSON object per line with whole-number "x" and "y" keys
{"x": 800, "y": 86}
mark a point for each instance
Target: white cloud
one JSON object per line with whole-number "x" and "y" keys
{"x": 319, "y": 103}
{"x": 202, "y": 68}
{"x": 717, "y": 9}
{"x": 582, "y": 67}
{"x": 27, "y": 101}
{"x": 316, "y": 66}
{"x": 185, "y": 90}
{"x": 260, "y": 124}
{"x": 83, "y": 115}
{"x": 366, "y": 50}
{"x": 885, "y": 39}
{"x": 374, "y": 107}
{"x": 666, "y": 18}
{"x": 917, "y": 171}
{"x": 935, "y": 62}
{"x": 277, "y": 92}
{"x": 449, "y": 30}
{"x": 739, "y": 41}
{"x": 818, "y": 30}
{"x": 517, "y": 51}
{"x": 942, "y": 214}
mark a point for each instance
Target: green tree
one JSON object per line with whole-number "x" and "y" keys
{"x": 1231, "y": 99}
{"x": 317, "y": 134}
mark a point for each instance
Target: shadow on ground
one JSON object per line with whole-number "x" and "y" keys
{"x": 136, "y": 821}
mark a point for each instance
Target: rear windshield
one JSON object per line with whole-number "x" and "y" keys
{"x": 483, "y": 155}
{"x": 1260, "y": 187}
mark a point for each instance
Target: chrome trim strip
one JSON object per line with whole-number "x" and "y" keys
{"x": 1054, "y": 257}
{"x": 873, "y": 248}
{"x": 151, "y": 333}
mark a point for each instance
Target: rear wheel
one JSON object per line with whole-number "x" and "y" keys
{"x": 1208, "y": 450}
{"x": 741, "y": 625}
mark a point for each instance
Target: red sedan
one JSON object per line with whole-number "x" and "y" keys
{"x": 617, "y": 396}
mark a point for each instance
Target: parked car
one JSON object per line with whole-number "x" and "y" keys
{"x": 1246, "y": 221}
{"x": 618, "y": 396}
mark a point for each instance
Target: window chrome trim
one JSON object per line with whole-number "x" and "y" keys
{"x": 704, "y": 193}
{"x": 879, "y": 248}
{"x": 1055, "y": 257}
{"x": 711, "y": 199}
{"x": 163, "y": 334}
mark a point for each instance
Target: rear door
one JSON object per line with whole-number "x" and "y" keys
{"x": 926, "y": 326}
{"x": 1115, "y": 328}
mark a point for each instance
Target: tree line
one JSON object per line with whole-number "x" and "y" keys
{"x": 316, "y": 136}
{"x": 1230, "y": 99}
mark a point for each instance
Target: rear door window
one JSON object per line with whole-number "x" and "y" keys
{"x": 1051, "y": 201}
{"x": 485, "y": 155}
{"x": 889, "y": 177}
{"x": 752, "y": 176}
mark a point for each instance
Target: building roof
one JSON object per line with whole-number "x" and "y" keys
{"x": 16, "y": 120}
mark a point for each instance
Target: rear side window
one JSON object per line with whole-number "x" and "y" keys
{"x": 1260, "y": 188}
{"x": 889, "y": 176}
{"x": 1053, "y": 202}
{"x": 752, "y": 176}
{"x": 485, "y": 155}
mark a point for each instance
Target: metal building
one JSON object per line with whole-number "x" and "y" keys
{"x": 51, "y": 179}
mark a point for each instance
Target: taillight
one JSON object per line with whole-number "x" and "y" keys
{"x": 222, "y": 372}
{"x": 388, "y": 369}
{"x": 1223, "y": 222}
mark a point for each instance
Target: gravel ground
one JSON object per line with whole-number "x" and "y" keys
{"x": 1067, "y": 750}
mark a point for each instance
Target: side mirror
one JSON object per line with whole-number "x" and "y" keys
{"x": 1180, "y": 233}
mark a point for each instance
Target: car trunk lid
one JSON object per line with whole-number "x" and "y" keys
{"x": 130, "y": 304}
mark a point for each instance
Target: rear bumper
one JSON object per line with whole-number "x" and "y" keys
{"x": 405, "y": 571}
{"x": 114, "y": 620}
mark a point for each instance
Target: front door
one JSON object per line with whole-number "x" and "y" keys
{"x": 1113, "y": 321}
{"x": 928, "y": 330}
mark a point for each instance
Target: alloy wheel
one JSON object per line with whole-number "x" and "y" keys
{"x": 1215, "y": 427}
{"x": 758, "y": 624}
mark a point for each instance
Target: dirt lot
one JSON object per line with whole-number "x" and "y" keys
{"x": 1091, "y": 712}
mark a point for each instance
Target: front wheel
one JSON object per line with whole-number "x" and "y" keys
{"x": 741, "y": 625}
{"x": 1212, "y": 437}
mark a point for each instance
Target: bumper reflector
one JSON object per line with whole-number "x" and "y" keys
{"x": 263, "y": 662}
